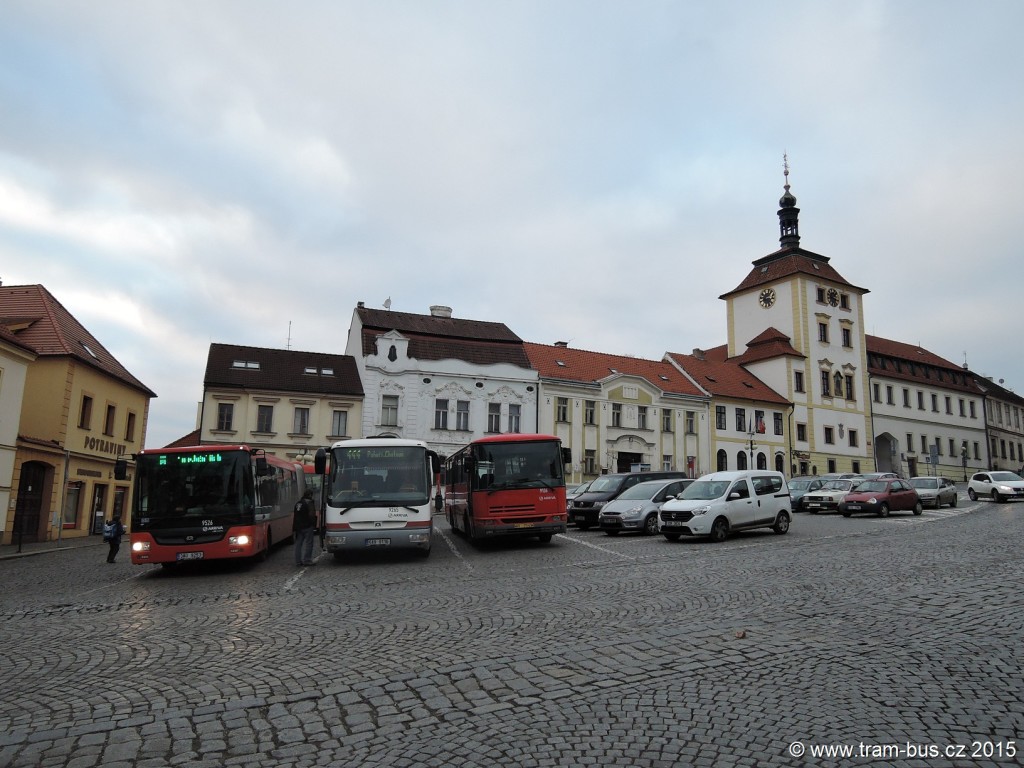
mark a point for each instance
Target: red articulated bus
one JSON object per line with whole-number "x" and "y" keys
{"x": 209, "y": 502}
{"x": 507, "y": 485}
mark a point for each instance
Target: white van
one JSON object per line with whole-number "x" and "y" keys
{"x": 717, "y": 504}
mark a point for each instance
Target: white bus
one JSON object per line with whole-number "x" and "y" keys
{"x": 378, "y": 493}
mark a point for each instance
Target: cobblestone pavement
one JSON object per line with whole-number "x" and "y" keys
{"x": 892, "y": 638}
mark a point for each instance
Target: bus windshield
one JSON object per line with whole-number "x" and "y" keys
{"x": 378, "y": 476}
{"x": 499, "y": 466}
{"x": 195, "y": 484}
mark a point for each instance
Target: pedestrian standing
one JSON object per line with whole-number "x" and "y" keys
{"x": 112, "y": 533}
{"x": 304, "y": 528}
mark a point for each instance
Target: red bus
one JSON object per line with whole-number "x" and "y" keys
{"x": 210, "y": 501}
{"x": 507, "y": 485}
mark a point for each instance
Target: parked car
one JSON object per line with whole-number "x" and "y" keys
{"x": 935, "y": 491}
{"x": 636, "y": 508}
{"x": 715, "y": 505}
{"x": 842, "y": 476}
{"x": 881, "y": 497}
{"x": 572, "y": 493}
{"x": 997, "y": 485}
{"x": 880, "y": 476}
{"x": 586, "y": 507}
{"x": 826, "y": 499}
{"x": 798, "y": 486}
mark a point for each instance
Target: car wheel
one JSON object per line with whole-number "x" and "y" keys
{"x": 812, "y": 511}
{"x": 918, "y": 509}
{"x": 971, "y": 494}
{"x": 781, "y": 523}
{"x": 651, "y": 524}
{"x": 883, "y": 511}
{"x": 671, "y": 536}
{"x": 996, "y": 497}
{"x": 582, "y": 525}
{"x": 719, "y": 530}
{"x": 952, "y": 502}
{"x": 612, "y": 533}
{"x": 846, "y": 514}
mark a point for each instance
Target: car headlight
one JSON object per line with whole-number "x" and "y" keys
{"x": 1005, "y": 489}
{"x": 633, "y": 512}
{"x": 701, "y": 510}
{"x": 872, "y": 500}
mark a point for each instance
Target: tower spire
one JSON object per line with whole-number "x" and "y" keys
{"x": 789, "y": 214}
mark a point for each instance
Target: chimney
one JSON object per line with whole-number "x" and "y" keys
{"x": 698, "y": 353}
{"x": 562, "y": 344}
{"x": 360, "y": 305}
{"x": 439, "y": 310}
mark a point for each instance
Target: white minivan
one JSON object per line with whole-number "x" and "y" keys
{"x": 717, "y": 504}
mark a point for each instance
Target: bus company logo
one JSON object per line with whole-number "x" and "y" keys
{"x": 190, "y": 538}
{"x": 378, "y": 524}
{"x": 394, "y": 512}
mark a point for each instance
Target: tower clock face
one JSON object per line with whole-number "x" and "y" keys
{"x": 833, "y": 296}
{"x": 767, "y": 297}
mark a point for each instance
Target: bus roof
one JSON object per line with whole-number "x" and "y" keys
{"x": 364, "y": 442}
{"x": 515, "y": 437}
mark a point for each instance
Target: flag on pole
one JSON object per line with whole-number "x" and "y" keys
{"x": 760, "y": 425}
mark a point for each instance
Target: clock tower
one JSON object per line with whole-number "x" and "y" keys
{"x": 798, "y": 325}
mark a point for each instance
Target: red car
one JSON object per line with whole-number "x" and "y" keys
{"x": 880, "y": 497}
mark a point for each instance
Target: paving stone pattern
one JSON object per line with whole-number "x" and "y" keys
{"x": 590, "y": 651}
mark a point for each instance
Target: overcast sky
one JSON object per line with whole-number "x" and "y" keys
{"x": 188, "y": 172}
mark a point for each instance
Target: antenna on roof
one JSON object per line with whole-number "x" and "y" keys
{"x": 289, "y": 343}
{"x": 387, "y": 303}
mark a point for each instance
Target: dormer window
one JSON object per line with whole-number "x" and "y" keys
{"x": 327, "y": 371}
{"x": 311, "y": 369}
{"x": 393, "y": 353}
{"x": 251, "y": 364}
{"x": 86, "y": 348}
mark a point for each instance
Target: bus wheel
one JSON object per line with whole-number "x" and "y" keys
{"x": 263, "y": 554}
{"x": 168, "y": 565}
{"x": 544, "y": 538}
{"x": 467, "y": 528}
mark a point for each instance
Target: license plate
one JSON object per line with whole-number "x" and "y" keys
{"x": 190, "y": 555}
{"x": 378, "y": 542}
{"x": 671, "y": 523}
{"x": 523, "y": 525}
{"x": 813, "y": 505}
{"x": 853, "y": 506}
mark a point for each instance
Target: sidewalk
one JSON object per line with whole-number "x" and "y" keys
{"x": 29, "y": 549}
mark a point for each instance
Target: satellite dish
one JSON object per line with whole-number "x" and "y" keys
{"x": 1001, "y": 381}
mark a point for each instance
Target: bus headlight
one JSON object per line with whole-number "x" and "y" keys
{"x": 140, "y": 546}
{"x": 239, "y": 541}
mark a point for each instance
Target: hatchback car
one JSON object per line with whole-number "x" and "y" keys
{"x": 827, "y": 498}
{"x": 935, "y": 491}
{"x": 880, "y": 497}
{"x": 636, "y": 508}
{"x": 799, "y": 486}
{"x": 997, "y": 485}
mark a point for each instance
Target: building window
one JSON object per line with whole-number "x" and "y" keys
{"x": 876, "y": 390}
{"x": 85, "y": 414}
{"x": 741, "y": 463}
{"x": 108, "y": 420}
{"x": 848, "y": 381}
{"x": 440, "y": 413}
{"x": 847, "y": 337}
{"x": 949, "y": 405}
{"x": 494, "y": 417}
{"x": 265, "y": 418}
{"x": 935, "y": 403}
{"x": 838, "y": 379}
{"x": 778, "y": 423}
{"x": 301, "y": 421}
{"x": 759, "y": 426}
{"x": 829, "y": 436}
{"x": 798, "y": 381}
{"x": 924, "y": 443}
{"x": 801, "y": 433}
{"x": 691, "y": 423}
{"x": 129, "y": 429}
{"x": 666, "y": 420}
{"x": 741, "y": 420}
{"x": 889, "y": 395}
{"x": 906, "y": 398}
{"x": 389, "y": 411}
{"x": 589, "y": 407}
{"x": 826, "y": 383}
{"x": 852, "y": 435}
{"x": 856, "y": 467}
{"x": 977, "y": 450}
{"x": 719, "y": 417}
{"x": 821, "y": 295}
{"x": 616, "y": 414}
{"x": 514, "y": 411}
{"x": 910, "y": 442}
{"x": 1002, "y": 449}
{"x": 641, "y": 417}
{"x": 666, "y": 463}
{"x": 590, "y": 462}
{"x": 722, "y": 461}
{"x": 462, "y": 415}
{"x": 938, "y": 446}
{"x": 844, "y": 303}
{"x": 561, "y": 409}
{"x": 339, "y": 423}
{"x": 973, "y": 414}
{"x": 963, "y": 411}
{"x": 952, "y": 447}
{"x": 920, "y": 400}
{"x": 831, "y": 466}
{"x": 823, "y": 333}
{"x": 225, "y": 413}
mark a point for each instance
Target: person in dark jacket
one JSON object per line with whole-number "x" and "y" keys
{"x": 304, "y": 528}
{"x": 112, "y": 533}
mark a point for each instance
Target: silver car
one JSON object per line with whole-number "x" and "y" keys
{"x": 636, "y": 508}
{"x": 935, "y": 491}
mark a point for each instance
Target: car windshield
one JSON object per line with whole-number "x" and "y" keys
{"x": 799, "y": 485}
{"x": 872, "y": 486}
{"x": 1003, "y": 477}
{"x": 578, "y": 489}
{"x": 642, "y": 491}
{"x": 605, "y": 483}
{"x": 837, "y": 485}
{"x": 924, "y": 482}
{"x": 702, "y": 490}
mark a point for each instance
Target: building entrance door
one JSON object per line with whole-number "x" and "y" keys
{"x": 28, "y": 524}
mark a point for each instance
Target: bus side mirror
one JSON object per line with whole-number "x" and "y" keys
{"x": 566, "y": 456}
{"x": 262, "y": 468}
{"x": 435, "y": 463}
{"x": 121, "y": 469}
{"x": 320, "y": 461}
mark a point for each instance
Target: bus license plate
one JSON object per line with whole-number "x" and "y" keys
{"x": 190, "y": 555}
{"x": 523, "y": 525}
{"x": 378, "y": 542}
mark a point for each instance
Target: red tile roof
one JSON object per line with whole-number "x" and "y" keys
{"x": 37, "y": 319}
{"x": 786, "y": 263}
{"x": 725, "y": 377}
{"x": 768, "y": 344}
{"x": 909, "y": 362}
{"x": 282, "y": 370}
{"x": 584, "y": 367}
{"x": 444, "y": 338}
{"x": 192, "y": 438}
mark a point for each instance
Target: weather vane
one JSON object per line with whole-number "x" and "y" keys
{"x": 785, "y": 168}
